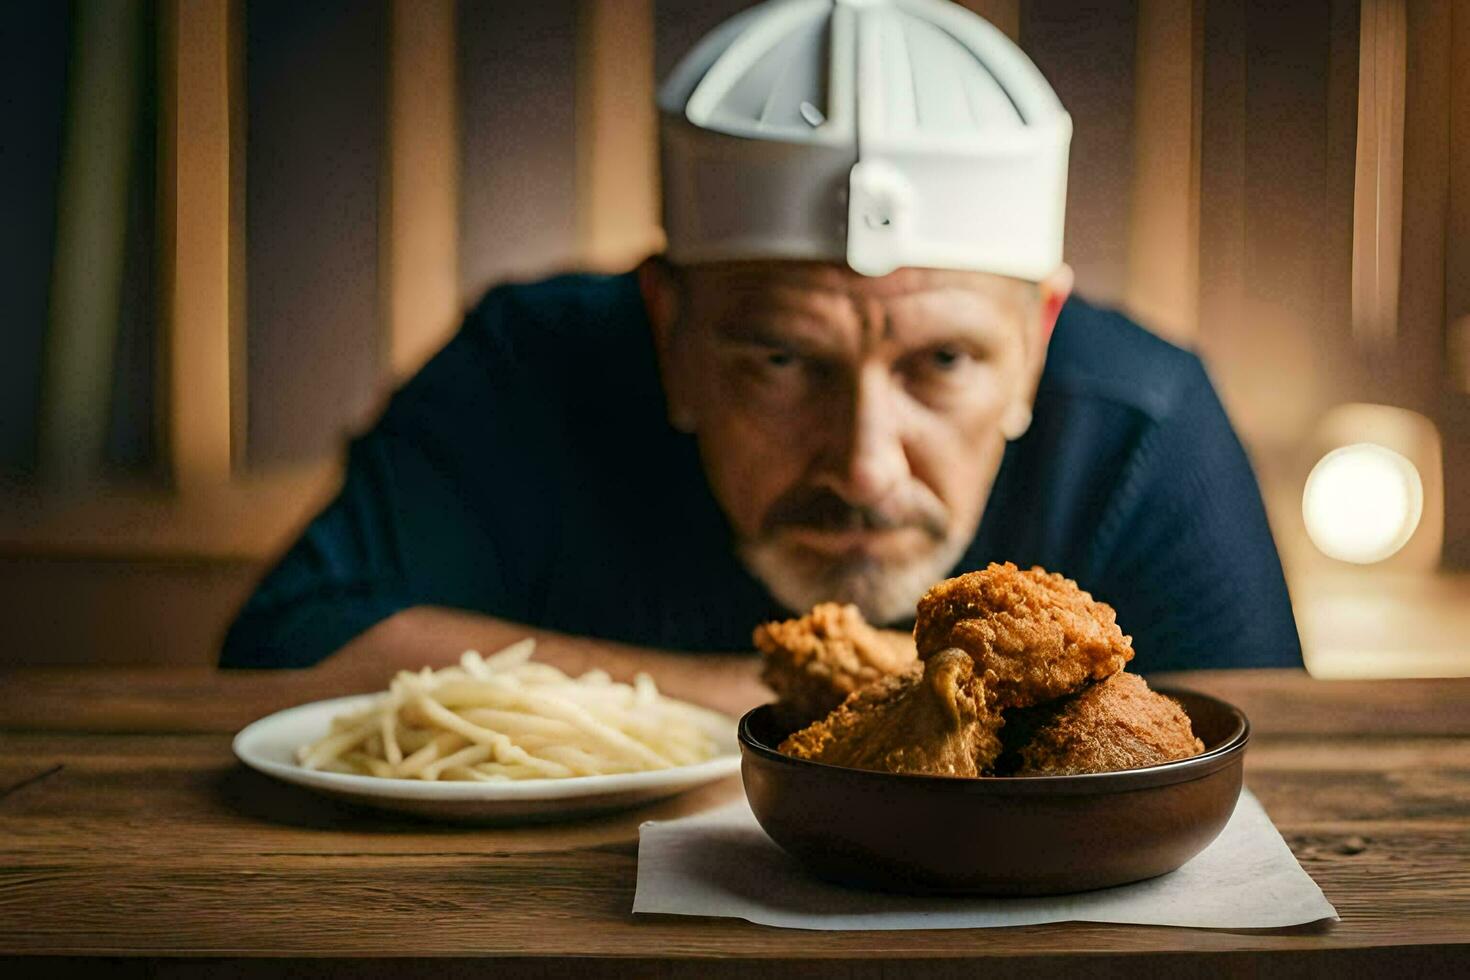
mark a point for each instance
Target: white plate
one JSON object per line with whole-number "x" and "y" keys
{"x": 269, "y": 746}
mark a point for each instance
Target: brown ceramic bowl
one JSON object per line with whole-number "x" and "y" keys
{"x": 1004, "y": 835}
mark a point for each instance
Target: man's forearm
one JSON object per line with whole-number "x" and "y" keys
{"x": 434, "y": 637}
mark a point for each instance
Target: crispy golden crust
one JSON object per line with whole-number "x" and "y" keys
{"x": 933, "y": 719}
{"x": 1035, "y": 636}
{"x": 1117, "y": 723}
{"x": 813, "y": 663}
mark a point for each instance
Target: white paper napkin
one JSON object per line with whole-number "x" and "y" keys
{"x": 721, "y": 863}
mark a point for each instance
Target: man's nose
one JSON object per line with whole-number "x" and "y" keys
{"x": 867, "y": 460}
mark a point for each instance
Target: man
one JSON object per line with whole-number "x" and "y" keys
{"x": 856, "y": 371}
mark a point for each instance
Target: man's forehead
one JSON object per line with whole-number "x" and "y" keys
{"x": 792, "y": 280}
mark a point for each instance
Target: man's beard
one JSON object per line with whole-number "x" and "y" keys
{"x": 885, "y": 589}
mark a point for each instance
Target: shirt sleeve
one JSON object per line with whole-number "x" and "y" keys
{"x": 1187, "y": 554}
{"x": 340, "y": 577}
{"x": 428, "y": 513}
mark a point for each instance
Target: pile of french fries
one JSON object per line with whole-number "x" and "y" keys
{"x": 504, "y": 717}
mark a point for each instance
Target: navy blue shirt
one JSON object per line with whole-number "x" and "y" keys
{"x": 529, "y": 473}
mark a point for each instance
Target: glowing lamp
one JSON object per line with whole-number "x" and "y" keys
{"x": 1362, "y": 503}
{"x": 1377, "y": 491}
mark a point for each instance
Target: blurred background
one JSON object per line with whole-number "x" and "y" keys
{"x": 228, "y": 229}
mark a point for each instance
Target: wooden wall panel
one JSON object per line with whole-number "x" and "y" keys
{"x": 1086, "y": 51}
{"x": 1415, "y": 377}
{"x": 1378, "y": 208}
{"x": 679, "y": 24}
{"x": 618, "y": 221}
{"x": 97, "y": 179}
{"x": 1275, "y": 226}
{"x": 315, "y": 132}
{"x": 1433, "y": 276}
{"x": 1455, "y": 410}
{"x": 91, "y": 611}
{"x": 201, "y": 191}
{"x": 1457, "y": 255}
{"x": 33, "y": 51}
{"x": 517, "y": 206}
{"x": 1339, "y": 179}
{"x": 1163, "y": 243}
{"x": 132, "y": 444}
{"x": 421, "y": 227}
{"x": 1004, "y": 14}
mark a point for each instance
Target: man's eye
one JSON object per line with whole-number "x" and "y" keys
{"x": 780, "y": 358}
{"x": 947, "y": 358}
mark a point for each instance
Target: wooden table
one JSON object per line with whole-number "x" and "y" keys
{"x": 127, "y": 830}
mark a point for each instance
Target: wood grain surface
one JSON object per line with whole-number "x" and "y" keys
{"x": 128, "y": 830}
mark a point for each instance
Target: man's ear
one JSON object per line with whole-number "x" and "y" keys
{"x": 1054, "y": 289}
{"x": 660, "y": 291}
{"x": 659, "y": 285}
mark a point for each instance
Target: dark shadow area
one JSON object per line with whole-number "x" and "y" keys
{"x": 1433, "y": 961}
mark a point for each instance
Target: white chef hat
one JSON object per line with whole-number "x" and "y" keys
{"x": 882, "y": 133}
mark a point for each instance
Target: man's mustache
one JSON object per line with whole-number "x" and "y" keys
{"x": 820, "y": 509}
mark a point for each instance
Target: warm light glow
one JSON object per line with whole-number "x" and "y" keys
{"x": 1362, "y": 503}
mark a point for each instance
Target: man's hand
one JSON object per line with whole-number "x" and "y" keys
{"x": 433, "y": 637}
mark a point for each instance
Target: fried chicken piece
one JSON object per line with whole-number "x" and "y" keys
{"x": 1034, "y": 635}
{"x": 813, "y": 663}
{"x": 933, "y": 718}
{"x": 1117, "y": 723}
